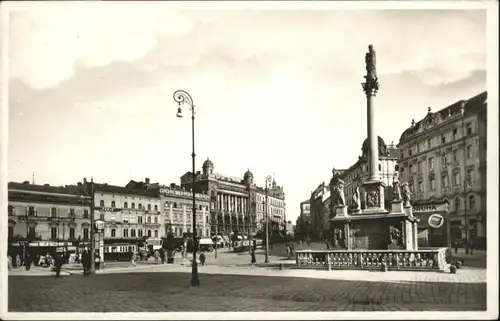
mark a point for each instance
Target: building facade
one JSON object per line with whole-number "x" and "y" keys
{"x": 178, "y": 210}
{"x": 129, "y": 214}
{"x": 317, "y": 226}
{"x": 304, "y": 220}
{"x": 47, "y": 216}
{"x": 358, "y": 173}
{"x": 443, "y": 157}
{"x": 233, "y": 201}
{"x": 276, "y": 208}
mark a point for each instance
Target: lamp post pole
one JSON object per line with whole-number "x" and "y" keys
{"x": 181, "y": 97}
{"x": 268, "y": 180}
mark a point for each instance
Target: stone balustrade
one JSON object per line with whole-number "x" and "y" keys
{"x": 407, "y": 260}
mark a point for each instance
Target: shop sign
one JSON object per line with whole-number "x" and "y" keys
{"x": 436, "y": 220}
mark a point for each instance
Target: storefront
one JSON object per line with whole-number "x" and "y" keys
{"x": 434, "y": 225}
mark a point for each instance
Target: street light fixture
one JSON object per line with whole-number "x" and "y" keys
{"x": 268, "y": 181}
{"x": 182, "y": 97}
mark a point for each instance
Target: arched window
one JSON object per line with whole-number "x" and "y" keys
{"x": 472, "y": 202}
{"x": 457, "y": 204}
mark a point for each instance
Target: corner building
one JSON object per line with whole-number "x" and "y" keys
{"x": 46, "y": 217}
{"x": 443, "y": 157}
{"x": 129, "y": 213}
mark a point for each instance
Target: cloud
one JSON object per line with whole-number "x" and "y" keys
{"x": 276, "y": 91}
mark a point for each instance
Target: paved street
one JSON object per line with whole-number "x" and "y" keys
{"x": 170, "y": 291}
{"x": 228, "y": 283}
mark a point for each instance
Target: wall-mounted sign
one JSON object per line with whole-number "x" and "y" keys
{"x": 107, "y": 209}
{"x": 431, "y": 208}
{"x": 436, "y": 220}
{"x": 168, "y": 192}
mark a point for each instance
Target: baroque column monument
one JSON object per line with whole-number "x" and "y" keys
{"x": 373, "y": 227}
{"x": 373, "y": 187}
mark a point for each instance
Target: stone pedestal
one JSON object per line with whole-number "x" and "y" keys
{"x": 341, "y": 211}
{"x": 397, "y": 207}
{"x": 374, "y": 197}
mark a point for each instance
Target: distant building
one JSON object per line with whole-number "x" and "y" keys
{"x": 358, "y": 173}
{"x": 303, "y": 223}
{"x": 276, "y": 207}
{"x": 47, "y": 217}
{"x": 443, "y": 157}
{"x": 235, "y": 204}
{"x": 318, "y": 215}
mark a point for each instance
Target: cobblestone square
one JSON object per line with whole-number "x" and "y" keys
{"x": 170, "y": 292}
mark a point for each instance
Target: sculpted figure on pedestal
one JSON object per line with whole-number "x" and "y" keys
{"x": 337, "y": 188}
{"x": 396, "y": 189}
{"x": 406, "y": 194}
{"x": 355, "y": 199}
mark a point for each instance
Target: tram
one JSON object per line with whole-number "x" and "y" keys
{"x": 244, "y": 245}
{"x": 119, "y": 251}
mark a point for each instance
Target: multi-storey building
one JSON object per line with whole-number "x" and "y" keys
{"x": 276, "y": 207}
{"x": 304, "y": 220}
{"x": 48, "y": 216}
{"x": 318, "y": 215}
{"x": 178, "y": 210}
{"x": 443, "y": 157}
{"x": 129, "y": 213}
{"x": 357, "y": 174}
{"x": 233, "y": 201}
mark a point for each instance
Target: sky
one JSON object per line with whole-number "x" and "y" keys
{"x": 277, "y": 92}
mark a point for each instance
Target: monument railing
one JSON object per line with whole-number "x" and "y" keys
{"x": 408, "y": 260}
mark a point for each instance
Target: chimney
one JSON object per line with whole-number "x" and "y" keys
{"x": 79, "y": 184}
{"x": 26, "y": 182}
{"x": 84, "y": 180}
{"x": 46, "y": 185}
{"x": 147, "y": 180}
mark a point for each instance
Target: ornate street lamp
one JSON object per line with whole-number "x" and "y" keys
{"x": 182, "y": 97}
{"x": 268, "y": 182}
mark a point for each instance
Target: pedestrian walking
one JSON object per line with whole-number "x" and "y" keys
{"x": 85, "y": 260}
{"x": 300, "y": 244}
{"x": 18, "y": 260}
{"x": 162, "y": 255}
{"x": 27, "y": 261}
{"x": 455, "y": 246}
{"x": 252, "y": 257}
{"x": 58, "y": 262}
{"x": 202, "y": 258}
{"x": 133, "y": 259}
{"x": 157, "y": 257}
{"x": 471, "y": 247}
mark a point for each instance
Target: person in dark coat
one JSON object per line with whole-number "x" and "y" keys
{"x": 252, "y": 256}
{"x": 202, "y": 258}
{"x": 27, "y": 261}
{"x": 58, "y": 262}
{"x": 85, "y": 260}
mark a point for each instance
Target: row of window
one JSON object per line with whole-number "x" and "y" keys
{"x": 442, "y": 139}
{"x": 444, "y": 161}
{"x": 54, "y": 211}
{"x": 132, "y": 205}
{"x": 140, "y": 233}
{"x": 54, "y": 233}
{"x": 445, "y": 181}
{"x": 271, "y": 210}
{"x": 187, "y": 205}
{"x": 271, "y": 201}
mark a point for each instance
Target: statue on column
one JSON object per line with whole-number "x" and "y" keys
{"x": 337, "y": 188}
{"x": 406, "y": 194}
{"x": 355, "y": 199}
{"x": 396, "y": 188}
{"x": 371, "y": 63}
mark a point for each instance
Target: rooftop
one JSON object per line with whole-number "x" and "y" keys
{"x": 470, "y": 106}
